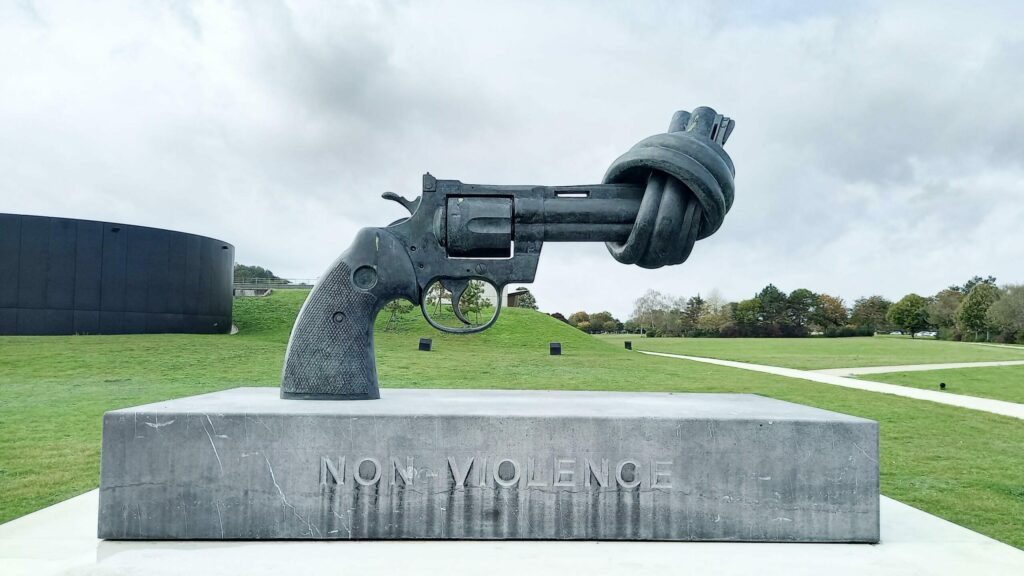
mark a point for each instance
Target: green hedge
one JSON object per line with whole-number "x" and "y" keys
{"x": 848, "y": 331}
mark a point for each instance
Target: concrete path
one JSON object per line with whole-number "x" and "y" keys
{"x": 913, "y": 368}
{"x": 984, "y": 404}
{"x": 62, "y": 540}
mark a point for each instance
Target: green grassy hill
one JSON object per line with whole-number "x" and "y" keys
{"x": 512, "y": 354}
{"x": 963, "y": 465}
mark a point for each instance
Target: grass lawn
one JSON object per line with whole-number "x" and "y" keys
{"x": 820, "y": 353}
{"x": 997, "y": 382}
{"x": 963, "y": 465}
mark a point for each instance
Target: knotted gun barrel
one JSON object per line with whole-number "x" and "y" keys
{"x": 656, "y": 201}
{"x": 659, "y": 198}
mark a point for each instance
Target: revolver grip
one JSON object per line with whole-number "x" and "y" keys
{"x": 330, "y": 353}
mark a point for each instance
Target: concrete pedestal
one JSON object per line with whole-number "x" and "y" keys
{"x": 483, "y": 464}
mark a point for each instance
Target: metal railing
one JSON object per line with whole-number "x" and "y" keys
{"x": 274, "y": 283}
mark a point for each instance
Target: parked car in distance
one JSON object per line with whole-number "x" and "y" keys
{"x": 927, "y": 334}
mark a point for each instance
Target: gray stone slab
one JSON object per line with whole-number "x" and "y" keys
{"x": 487, "y": 464}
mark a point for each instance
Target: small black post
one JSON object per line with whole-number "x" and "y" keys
{"x": 425, "y": 344}
{"x": 629, "y": 344}
{"x": 556, "y": 348}
{"x": 942, "y": 385}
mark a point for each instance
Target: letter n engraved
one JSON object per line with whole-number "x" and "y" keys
{"x": 407, "y": 474}
{"x": 331, "y": 474}
{"x": 592, "y": 472}
{"x": 459, "y": 475}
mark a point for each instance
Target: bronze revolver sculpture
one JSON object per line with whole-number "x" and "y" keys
{"x": 657, "y": 199}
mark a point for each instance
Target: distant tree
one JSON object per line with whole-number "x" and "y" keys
{"x": 716, "y": 320}
{"x": 604, "y": 322}
{"x": 558, "y": 316}
{"x": 715, "y": 301}
{"x": 748, "y": 313}
{"x": 829, "y": 311}
{"x": 970, "y": 284}
{"x": 910, "y": 313}
{"x": 799, "y": 305}
{"x": 871, "y": 312}
{"x": 576, "y": 317}
{"x": 972, "y": 315}
{"x": 695, "y": 309}
{"x": 667, "y": 322}
{"x": 943, "y": 307}
{"x": 649, "y": 309}
{"x": 244, "y": 273}
{"x": 436, "y": 296}
{"x": 395, "y": 309}
{"x": 473, "y": 300}
{"x": 774, "y": 303}
{"x": 526, "y": 300}
{"x": 1007, "y": 313}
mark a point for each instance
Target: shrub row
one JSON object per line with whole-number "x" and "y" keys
{"x": 848, "y": 331}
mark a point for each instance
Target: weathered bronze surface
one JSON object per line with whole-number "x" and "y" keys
{"x": 657, "y": 200}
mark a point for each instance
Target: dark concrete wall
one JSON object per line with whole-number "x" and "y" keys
{"x": 65, "y": 276}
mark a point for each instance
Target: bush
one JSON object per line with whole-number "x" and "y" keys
{"x": 1007, "y": 337}
{"x": 848, "y": 331}
{"x": 791, "y": 331}
{"x": 757, "y": 331}
{"x": 704, "y": 333}
{"x": 730, "y": 331}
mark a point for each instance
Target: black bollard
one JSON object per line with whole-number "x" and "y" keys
{"x": 942, "y": 385}
{"x": 556, "y": 348}
{"x": 629, "y": 345}
{"x": 425, "y": 344}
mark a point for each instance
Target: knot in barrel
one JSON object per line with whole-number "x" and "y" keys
{"x": 689, "y": 188}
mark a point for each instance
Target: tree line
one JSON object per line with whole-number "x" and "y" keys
{"x": 978, "y": 310}
{"x": 245, "y": 273}
{"x": 769, "y": 313}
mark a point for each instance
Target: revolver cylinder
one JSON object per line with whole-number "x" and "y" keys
{"x": 479, "y": 227}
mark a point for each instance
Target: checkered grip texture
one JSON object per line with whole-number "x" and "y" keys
{"x": 331, "y": 354}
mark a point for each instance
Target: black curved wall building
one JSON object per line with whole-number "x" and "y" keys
{"x": 66, "y": 276}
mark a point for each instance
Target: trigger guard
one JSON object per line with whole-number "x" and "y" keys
{"x": 481, "y": 328}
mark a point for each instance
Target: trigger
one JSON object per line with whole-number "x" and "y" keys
{"x": 410, "y": 205}
{"x": 457, "y": 288}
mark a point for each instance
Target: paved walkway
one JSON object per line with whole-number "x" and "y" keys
{"x": 1011, "y": 409}
{"x": 913, "y": 368}
{"x": 62, "y": 540}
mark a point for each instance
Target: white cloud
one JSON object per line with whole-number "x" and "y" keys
{"x": 878, "y": 145}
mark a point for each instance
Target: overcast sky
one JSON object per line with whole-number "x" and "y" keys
{"x": 878, "y": 146}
